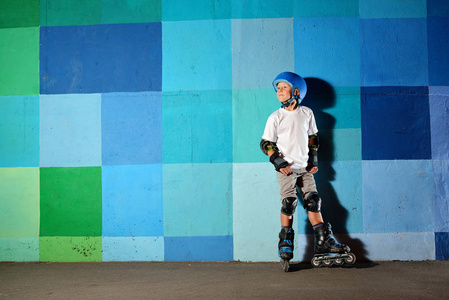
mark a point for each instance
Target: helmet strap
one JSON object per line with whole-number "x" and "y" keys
{"x": 287, "y": 103}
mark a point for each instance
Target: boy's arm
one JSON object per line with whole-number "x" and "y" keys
{"x": 314, "y": 144}
{"x": 270, "y": 149}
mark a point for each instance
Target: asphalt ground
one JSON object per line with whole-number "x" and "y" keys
{"x": 226, "y": 280}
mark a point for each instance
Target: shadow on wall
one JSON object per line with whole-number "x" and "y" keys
{"x": 321, "y": 96}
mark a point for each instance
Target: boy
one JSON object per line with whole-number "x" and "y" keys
{"x": 290, "y": 140}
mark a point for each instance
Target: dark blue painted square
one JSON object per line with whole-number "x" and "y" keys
{"x": 442, "y": 245}
{"x": 437, "y": 8}
{"x": 101, "y": 58}
{"x": 438, "y": 48}
{"x": 131, "y": 128}
{"x": 199, "y": 248}
{"x": 395, "y": 123}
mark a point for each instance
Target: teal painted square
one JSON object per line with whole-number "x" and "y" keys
{"x": 19, "y": 131}
{"x": 19, "y": 249}
{"x": 197, "y": 199}
{"x": 340, "y": 144}
{"x": 251, "y": 109}
{"x": 196, "y": 55}
{"x": 256, "y": 9}
{"x": 181, "y": 10}
{"x": 197, "y": 127}
{"x": 398, "y": 196}
{"x": 257, "y": 61}
{"x": 371, "y": 9}
{"x": 70, "y": 130}
{"x": 335, "y": 107}
{"x": 339, "y": 184}
{"x": 125, "y": 11}
{"x": 326, "y": 8}
{"x": 329, "y": 49}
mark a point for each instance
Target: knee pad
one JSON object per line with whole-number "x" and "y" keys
{"x": 313, "y": 202}
{"x": 289, "y": 206}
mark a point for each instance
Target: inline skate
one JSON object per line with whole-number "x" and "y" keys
{"x": 286, "y": 238}
{"x": 328, "y": 251}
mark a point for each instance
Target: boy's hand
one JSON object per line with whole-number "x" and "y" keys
{"x": 313, "y": 170}
{"x": 286, "y": 171}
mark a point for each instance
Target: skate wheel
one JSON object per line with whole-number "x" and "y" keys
{"x": 327, "y": 263}
{"x": 315, "y": 262}
{"x": 351, "y": 258}
{"x": 339, "y": 262}
{"x": 285, "y": 265}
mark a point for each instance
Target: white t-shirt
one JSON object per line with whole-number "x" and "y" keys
{"x": 290, "y": 131}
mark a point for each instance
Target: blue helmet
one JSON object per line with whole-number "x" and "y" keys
{"x": 296, "y": 82}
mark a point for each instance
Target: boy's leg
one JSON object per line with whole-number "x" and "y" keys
{"x": 287, "y": 189}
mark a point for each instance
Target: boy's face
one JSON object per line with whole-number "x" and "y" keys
{"x": 284, "y": 92}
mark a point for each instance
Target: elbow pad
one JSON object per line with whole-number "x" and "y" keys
{"x": 278, "y": 161}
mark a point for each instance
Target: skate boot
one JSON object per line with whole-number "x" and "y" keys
{"x": 328, "y": 251}
{"x": 286, "y": 238}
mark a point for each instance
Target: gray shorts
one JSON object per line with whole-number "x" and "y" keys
{"x": 299, "y": 178}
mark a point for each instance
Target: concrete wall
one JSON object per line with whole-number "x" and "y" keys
{"x": 129, "y": 130}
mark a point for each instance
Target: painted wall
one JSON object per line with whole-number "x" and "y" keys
{"x": 129, "y": 130}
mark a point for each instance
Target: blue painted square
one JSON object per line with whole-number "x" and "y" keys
{"x": 131, "y": 128}
{"x": 256, "y": 234}
{"x": 438, "y": 45}
{"x": 442, "y": 245}
{"x": 132, "y": 200}
{"x": 395, "y": 123}
{"x": 70, "y": 130}
{"x": 257, "y": 61}
{"x": 439, "y": 116}
{"x": 394, "y": 52}
{"x": 199, "y": 248}
{"x": 441, "y": 190}
{"x": 197, "y": 126}
{"x": 19, "y": 131}
{"x": 340, "y": 187}
{"x": 197, "y": 55}
{"x": 197, "y": 199}
{"x": 329, "y": 49}
{"x": 133, "y": 248}
{"x": 101, "y": 58}
{"x": 397, "y": 196}
{"x": 437, "y": 8}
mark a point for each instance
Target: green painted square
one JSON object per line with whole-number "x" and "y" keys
{"x": 69, "y": 12}
{"x": 326, "y": 8}
{"x": 19, "y": 13}
{"x": 19, "y": 61}
{"x": 251, "y": 109}
{"x": 19, "y": 202}
{"x": 70, "y": 249}
{"x": 70, "y": 201}
{"x": 129, "y": 11}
